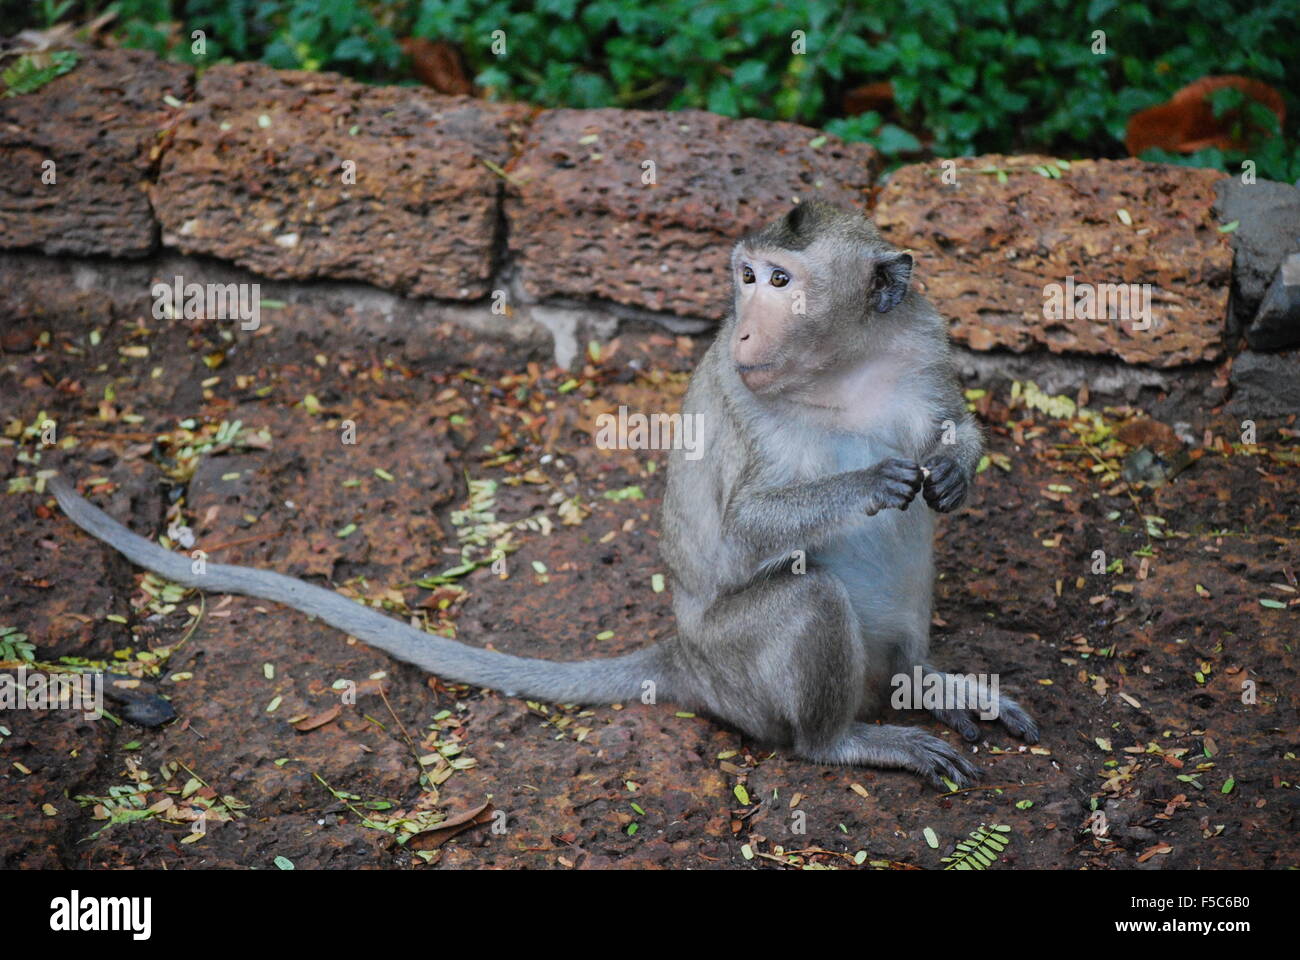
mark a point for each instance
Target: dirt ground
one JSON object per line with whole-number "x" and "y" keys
{"x": 1165, "y": 687}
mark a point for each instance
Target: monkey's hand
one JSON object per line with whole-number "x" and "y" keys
{"x": 892, "y": 484}
{"x": 945, "y": 484}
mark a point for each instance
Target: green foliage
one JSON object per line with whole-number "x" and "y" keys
{"x": 32, "y": 71}
{"x": 981, "y": 850}
{"x": 355, "y": 39}
{"x": 53, "y": 11}
{"x": 889, "y": 138}
{"x": 15, "y": 645}
{"x": 1273, "y": 158}
{"x": 969, "y": 76}
{"x": 1010, "y": 77}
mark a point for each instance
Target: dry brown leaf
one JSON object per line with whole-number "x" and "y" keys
{"x": 319, "y": 720}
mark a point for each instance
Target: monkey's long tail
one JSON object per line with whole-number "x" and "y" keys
{"x": 609, "y": 680}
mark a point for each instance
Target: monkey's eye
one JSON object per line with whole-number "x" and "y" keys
{"x": 780, "y": 278}
{"x": 747, "y": 275}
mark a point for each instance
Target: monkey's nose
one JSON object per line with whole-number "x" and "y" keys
{"x": 744, "y": 338}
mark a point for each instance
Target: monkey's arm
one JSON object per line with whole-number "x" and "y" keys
{"x": 955, "y": 454}
{"x": 804, "y": 515}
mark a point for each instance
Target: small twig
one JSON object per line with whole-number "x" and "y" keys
{"x": 203, "y": 607}
{"x": 632, "y": 96}
{"x": 366, "y": 821}
{"x": 401, "y": 726}
{"x": 113, "y": 434}
{"x": 242, "y": 540}
{"x": 181, "y": 764}
{"x": 500, "y": 171}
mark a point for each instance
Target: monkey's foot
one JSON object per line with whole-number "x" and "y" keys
{"x": 1009, "y": 713}
{"x": 905, "y": 748}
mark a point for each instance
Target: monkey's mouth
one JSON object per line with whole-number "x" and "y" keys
{"x": 756, "y": 376}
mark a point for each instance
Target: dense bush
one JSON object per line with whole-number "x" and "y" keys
{"x": 969, "y": 76}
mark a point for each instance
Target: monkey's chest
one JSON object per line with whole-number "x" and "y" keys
{"x": 856, "y": 451}
{"x": 822, "y": 453}
{"x": 885, "y": 560}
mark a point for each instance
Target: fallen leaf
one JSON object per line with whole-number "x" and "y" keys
{"x": 311, "y": 723}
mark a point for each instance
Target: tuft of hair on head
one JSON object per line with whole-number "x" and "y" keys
{"x": 811, "y": 220}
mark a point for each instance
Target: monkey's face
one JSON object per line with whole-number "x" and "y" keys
{"x": 809, "y": 289}
{"x": 771, "y": 331}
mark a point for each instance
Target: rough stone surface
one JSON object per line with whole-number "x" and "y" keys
{"x": 250, "y": 172}
{"x": 110, "y": 112}
{"x": 1266, "y": 384}
{"x": 986, "y": 251}
{"x": 1268, "y": 228}
{"x": 1277, "y": 324}
{"x": 255, "y": 176}
{"x": 35, "y": 291}
{"x": 582, "y": 222}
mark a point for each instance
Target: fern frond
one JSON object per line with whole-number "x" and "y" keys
{"x": 982, "y": 850}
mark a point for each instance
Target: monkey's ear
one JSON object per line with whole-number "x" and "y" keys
{"x": 794, "y": 220}
{"x": 893, "y": 275}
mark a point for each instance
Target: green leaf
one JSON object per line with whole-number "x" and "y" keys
{"x": 34, "y": 70}
{"x": 749, "y": 73}
{"x": 722, "y": 99}
{"x": 626, "y": 493}
{"x": 893, "y": 140}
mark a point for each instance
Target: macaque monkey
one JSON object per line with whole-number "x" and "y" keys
{"x": 801, "y": 565}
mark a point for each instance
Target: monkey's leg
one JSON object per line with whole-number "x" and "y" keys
{"x": 905, "y": 748}
{"x": 776, "y": 659}
{"x": 785, "y": 662}
{"x": 962, "y": 719}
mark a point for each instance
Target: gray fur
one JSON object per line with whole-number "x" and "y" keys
{"x": 826, "y": 459}
{"x": 802, "y": 660}
{"x": 594, "y": 681}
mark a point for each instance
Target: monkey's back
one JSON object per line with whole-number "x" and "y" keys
{"x": 697, "y": 492}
